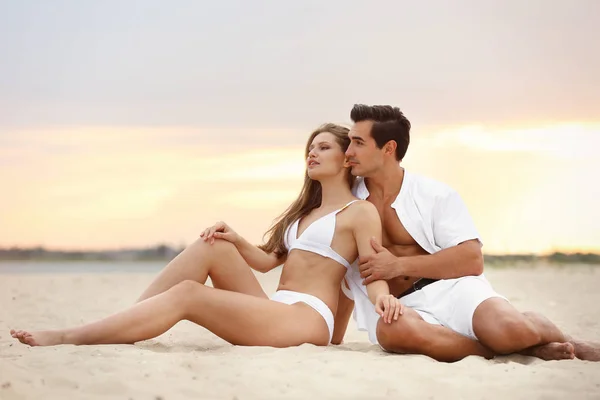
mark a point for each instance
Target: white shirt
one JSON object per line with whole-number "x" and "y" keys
{"x": 432, "y": 213}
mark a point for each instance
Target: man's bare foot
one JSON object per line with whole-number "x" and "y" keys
{"x": 41, "y": 338}
{"x": 553, "y": 351}
{"x": 585, "y": 350}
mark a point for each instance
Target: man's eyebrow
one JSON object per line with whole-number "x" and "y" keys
{"x": 357, "y": 138}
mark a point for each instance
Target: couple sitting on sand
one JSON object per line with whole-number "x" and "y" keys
{"x": 399, "y": 249}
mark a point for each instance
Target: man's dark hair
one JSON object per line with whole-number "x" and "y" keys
{"x": 389, "y": 123}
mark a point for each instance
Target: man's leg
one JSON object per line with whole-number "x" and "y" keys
{"x": 501, "y": 327}
{"x": 584, "y": 350}
{"x": 410, "y": 334}
{"x": 482, "y": 314}
{"x": 456, "y": 302}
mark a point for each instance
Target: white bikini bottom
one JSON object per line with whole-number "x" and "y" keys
{"x": 289, "y": 297}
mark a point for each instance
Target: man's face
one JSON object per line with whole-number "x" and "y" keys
{"x": 363, "y": 155}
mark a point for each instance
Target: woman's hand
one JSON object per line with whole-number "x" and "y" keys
{"x": 388, "y": 307}
{"x": 220, "y": 230}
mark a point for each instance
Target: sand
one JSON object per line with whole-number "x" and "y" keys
{"x": 190, "y": 362}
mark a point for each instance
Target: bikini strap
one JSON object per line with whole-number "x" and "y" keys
{"x": 346, "y": 206}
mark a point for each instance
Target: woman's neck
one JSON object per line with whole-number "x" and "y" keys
{"x": 334, "y": 193}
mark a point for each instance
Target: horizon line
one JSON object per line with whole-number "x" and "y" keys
{"x": 582, "y": 251}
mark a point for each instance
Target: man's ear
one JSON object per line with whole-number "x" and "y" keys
{"x": 390, "y": 147}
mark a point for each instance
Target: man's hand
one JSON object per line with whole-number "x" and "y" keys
{"x": 380, "y": 265}
{"x": 388, "y": 307}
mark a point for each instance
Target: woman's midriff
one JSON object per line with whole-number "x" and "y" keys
{"x": 313, "y": 274}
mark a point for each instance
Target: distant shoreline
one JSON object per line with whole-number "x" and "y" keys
{"x": 156, "y": 253}
{"x": 556, "y": 258}
{"x": 167, "y": 253}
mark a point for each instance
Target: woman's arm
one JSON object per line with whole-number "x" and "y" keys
{"x": 342, "y": 316}
{"x": 367, "y": 226}
{"x": 256, "y": 258}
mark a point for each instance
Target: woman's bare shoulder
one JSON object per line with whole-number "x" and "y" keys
{"x": 363, "y": 209}
{"x": 363, "y": 205}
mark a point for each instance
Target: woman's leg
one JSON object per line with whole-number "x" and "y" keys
{"x": 220, "y": 260}
{"x": 238, "y": 318}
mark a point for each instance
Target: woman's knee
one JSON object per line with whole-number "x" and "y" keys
{"x": 215, "y": 250}
{"x": 185, "y": 292}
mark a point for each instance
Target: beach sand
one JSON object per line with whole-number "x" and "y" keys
{"x": 190, "y": 362}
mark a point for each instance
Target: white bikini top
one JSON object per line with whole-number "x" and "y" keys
{"x": 317, "y": 237}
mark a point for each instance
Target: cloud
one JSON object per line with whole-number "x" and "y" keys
{"x": 222, "y": 65}
{"x": 562, "y": 140}
{"x": 262, "y": 199}
{"x": 114, "y": 189}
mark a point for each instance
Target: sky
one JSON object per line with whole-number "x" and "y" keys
{"x": 132, "y": 123}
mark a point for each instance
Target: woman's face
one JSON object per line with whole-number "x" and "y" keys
{"x": 325, "y": 157}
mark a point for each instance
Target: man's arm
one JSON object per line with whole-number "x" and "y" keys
{"x": 453, "y": 232}
{"x": 454, "y": 262}
{"x": 461, "y": 260}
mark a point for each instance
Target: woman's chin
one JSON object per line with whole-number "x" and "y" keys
{"x": 313, "y": 176}
{"x": 316, "y": 175}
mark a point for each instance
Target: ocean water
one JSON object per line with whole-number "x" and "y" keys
{"x": 54, "y": 267}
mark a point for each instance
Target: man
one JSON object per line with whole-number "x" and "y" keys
{"x": 431, "y": 256}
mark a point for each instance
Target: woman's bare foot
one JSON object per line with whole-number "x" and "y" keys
{"x": 585, "y": 350}
{"x": 41, "y": 338}
{"x": 554, "y": 351}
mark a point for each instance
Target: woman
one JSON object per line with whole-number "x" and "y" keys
{"x": 315, "y": 239}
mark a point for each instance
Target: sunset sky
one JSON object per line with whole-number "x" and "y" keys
{"x": 135, "y": 123}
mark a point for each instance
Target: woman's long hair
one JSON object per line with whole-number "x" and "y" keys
{"x": 310, "y": 195}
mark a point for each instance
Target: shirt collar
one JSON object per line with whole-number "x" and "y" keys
{"x": 361, "y": 189}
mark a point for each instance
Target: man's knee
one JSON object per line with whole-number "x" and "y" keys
{"x": 384, "y": 335}
{"x": 500, "y": 327}
{"x": 512, "y": 333}
{"x": 398, "y": 337}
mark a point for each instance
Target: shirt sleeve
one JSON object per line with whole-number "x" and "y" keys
{"x": 452, "y": 223}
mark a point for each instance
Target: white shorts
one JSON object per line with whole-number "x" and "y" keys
{"x": 290, "y": 297}
{"x": 452, "y": 302}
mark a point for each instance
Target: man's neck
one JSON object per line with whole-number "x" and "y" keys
{"x": 387, "y": 182}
